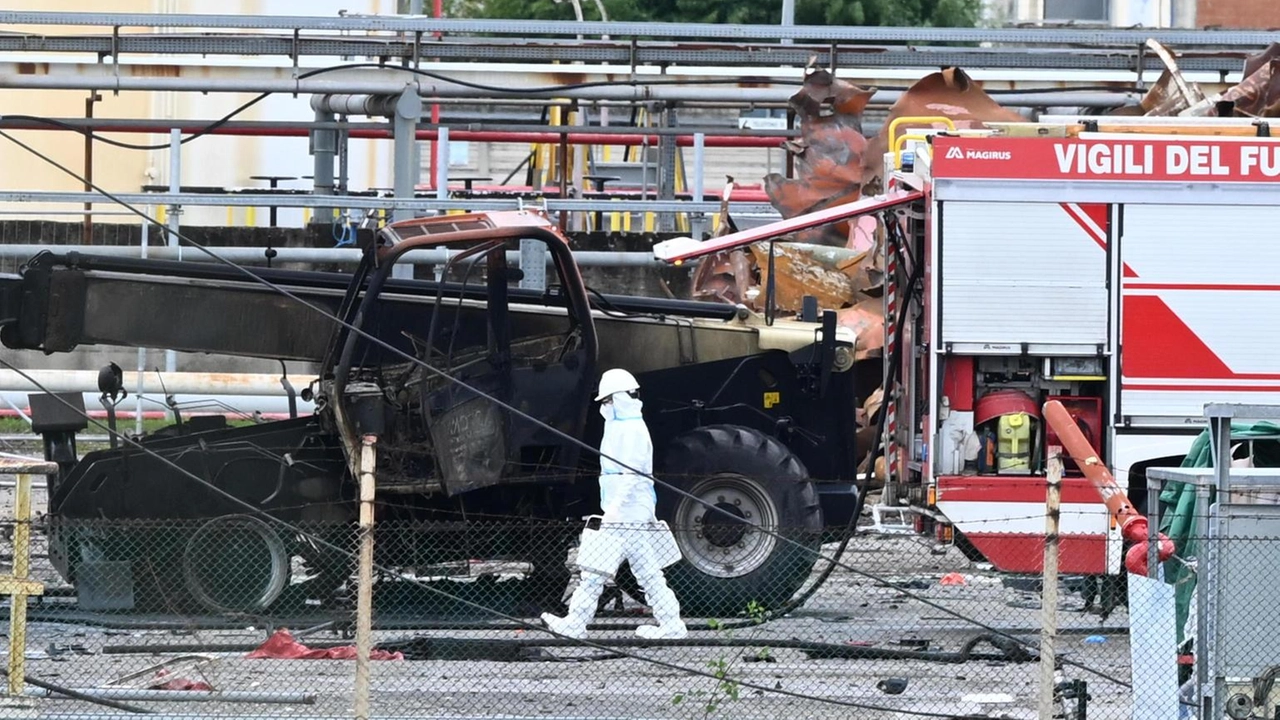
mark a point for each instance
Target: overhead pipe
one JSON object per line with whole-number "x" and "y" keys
{"x": 175, "y": 383}
{"x": 390, "y": 81}
{"x": 352, "y": 23}
{"x": 1133, "y": 526}
{"x": 154, "y": 405}
{"x": 496, "y": 136}
{"x": 333, "y": 256}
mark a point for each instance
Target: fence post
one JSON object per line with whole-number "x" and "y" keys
{"x": 1049, "y": 589}
{"x": 364, "y": 590}
{"x": 18, "y": 586}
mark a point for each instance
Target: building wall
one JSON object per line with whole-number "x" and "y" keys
{"x": 1244, "y": 14}
{"x": 223, "y": 161}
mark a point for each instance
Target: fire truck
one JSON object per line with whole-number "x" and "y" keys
{"x": 1126, "y": 267}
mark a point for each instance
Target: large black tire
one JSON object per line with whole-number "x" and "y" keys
{"x": 727, "y": 566}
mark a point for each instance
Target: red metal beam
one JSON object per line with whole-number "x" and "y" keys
{"x": 681, "y": 249}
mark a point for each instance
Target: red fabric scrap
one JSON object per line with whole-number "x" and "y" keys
{"x": 185, "y": 684}
{"x": 180, "y": 683}
{"x": 282, "y": 646}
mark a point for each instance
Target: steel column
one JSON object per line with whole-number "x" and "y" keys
{"x": 441, "y": 178}
{"x": 407, "y": 169}
{"x": 698, "y": 227}
{"x": 175, "y": 211}
{"x": 324, "y": 145}
{"x": 667, "y": 170}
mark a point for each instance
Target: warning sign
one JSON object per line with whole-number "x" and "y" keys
{"x": 1226, "y": 160}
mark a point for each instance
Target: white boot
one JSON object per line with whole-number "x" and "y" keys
{"x": 666, "y": 610}
{"x": 582, "y": 608}
{"x": 667, "y": 631}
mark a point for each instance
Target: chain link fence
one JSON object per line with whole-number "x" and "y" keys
{"x": 243, "y": 616}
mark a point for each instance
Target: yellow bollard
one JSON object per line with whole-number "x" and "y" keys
{"x": 161, "y": 215}
{"x": 251, "y": 216}
{"x": 18, "y": 586}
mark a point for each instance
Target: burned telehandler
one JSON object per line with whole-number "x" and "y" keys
{"x": 754, "y": 418}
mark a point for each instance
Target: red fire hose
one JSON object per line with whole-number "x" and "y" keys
{"x": 1133, "y": 526}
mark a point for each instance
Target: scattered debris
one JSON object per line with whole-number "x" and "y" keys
{"x": 282, "y": 646}
{"x": 952, "y": 579}
{"x": 912, "y": 585}
{"x": 988, "y": 698}
{"x": 169, "y": 675}
{"x": 893, "y": 685}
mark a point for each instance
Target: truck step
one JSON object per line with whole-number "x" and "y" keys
{"x": 901, "y": 525}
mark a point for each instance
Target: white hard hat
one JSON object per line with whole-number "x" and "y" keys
{"x": 616, "y": 380}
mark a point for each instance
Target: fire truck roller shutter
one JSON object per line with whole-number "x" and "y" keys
{"x": 1015, "y": 273}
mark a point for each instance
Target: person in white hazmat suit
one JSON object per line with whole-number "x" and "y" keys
{"x": 628, "y": 529}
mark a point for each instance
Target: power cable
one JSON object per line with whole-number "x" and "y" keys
{"x": 499, "y": 403}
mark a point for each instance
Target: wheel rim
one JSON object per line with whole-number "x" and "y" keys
{"x": 235, "y": 564}
{"x": 723, "y": 546}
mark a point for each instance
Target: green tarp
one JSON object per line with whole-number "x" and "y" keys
{"x": 1178, "y": 505}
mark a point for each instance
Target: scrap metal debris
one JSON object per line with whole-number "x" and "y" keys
{"x": 171, "y": 675}
{"x": 828, "y": 155}
{"x": 1257, "y": 95}
{"x": 949, "y": 93}
{"x": 841, "y": 264}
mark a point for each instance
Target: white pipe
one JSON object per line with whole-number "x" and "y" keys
{"x": 188, "y": 404}
{"x": 176, "y": 383}
{"x": 442, "y": 164}
{"x": 142, "y": 352}
{"x": 585, "y": 258}
{"x": 389, "y": 81}
{"x": 175, "y": 187}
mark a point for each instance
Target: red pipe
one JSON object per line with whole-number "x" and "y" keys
{"x": 1133, "y": 527}
{"x": 513, "y": 136}
{"x": 739, "y": 194}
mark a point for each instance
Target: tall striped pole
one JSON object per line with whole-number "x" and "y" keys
{"x": 890, "y": 393}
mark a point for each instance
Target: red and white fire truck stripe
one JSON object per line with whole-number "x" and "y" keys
{"x": 890, "y": 399}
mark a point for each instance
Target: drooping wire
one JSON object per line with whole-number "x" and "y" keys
{"x": 391, "y": 349}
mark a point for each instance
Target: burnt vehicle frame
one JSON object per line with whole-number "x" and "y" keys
{"x": 756, "y": 419}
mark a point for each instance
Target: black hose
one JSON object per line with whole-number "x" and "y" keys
{"x": 74, "y": 695}
{"x": 438, "y": 648}
{"x": 917, "y": 272}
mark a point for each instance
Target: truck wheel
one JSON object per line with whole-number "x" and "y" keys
{"x": 727, "y": 564}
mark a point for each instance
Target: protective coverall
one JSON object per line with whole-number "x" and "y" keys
{"x": 628, "y": 529}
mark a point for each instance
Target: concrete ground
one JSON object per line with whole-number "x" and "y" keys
{"x": 849, "y": 610}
